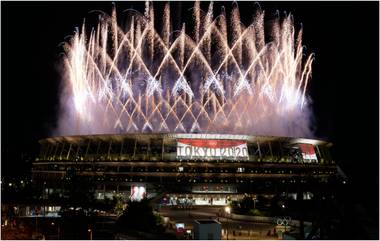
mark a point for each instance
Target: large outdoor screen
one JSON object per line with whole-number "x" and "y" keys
{"x": 308, "y": 152}
{"x": 137, "y": 192}
{"x": 211, "y": 149}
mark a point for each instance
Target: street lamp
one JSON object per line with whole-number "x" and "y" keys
{"x": 254, "y": 203}
{"x": 228, "y": 211}
{"x": 90, "y": 231}
{"x": 53, "y": 224}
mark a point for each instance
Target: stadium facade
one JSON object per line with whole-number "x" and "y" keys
{"x": 209, "y": 169}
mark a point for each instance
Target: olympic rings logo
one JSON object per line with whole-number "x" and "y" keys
{"x": 283, "y": 221}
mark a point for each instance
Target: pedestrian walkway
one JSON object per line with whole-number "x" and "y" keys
{"x": 248, "y": 235}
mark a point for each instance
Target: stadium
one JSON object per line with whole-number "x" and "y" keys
{"x": 192, "y": 98}
{"x": 208, "y": 169}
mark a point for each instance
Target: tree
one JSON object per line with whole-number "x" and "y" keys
{"x": 118, "y": 204}
{"x": 247, "y": 203}
{"x": 139, "y": 216}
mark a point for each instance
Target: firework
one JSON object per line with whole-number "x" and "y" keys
{"x": 136, "y": 79}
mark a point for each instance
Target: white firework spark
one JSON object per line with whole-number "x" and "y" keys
{"x": 141, "y": 80}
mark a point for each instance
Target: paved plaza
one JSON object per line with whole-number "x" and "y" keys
{"x": 236, "y": 229}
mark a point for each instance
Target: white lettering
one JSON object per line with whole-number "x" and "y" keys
{"x": 231, "y": 152}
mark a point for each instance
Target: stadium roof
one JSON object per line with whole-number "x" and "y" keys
{"x": 173, "y": 136}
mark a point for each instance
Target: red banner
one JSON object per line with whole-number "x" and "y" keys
{"x": 206, "y": 148}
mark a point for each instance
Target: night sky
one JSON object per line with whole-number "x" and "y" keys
{"x": 343, "y": 35}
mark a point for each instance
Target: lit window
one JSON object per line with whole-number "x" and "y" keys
{"x": 180, "y": 169}
{"x": 240, "y": 169}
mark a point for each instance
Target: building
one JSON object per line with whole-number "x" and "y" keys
{"x": 204, "y": 169}
{"x": 207, "y": 229}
